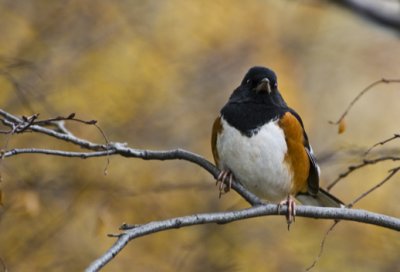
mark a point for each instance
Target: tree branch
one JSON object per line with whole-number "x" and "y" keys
{"x": 24, "y": 125}
{"x": 31, "y": 124}
{"x": 383, "y": 12}
{"x": 364, "y": 163}
{"x": 392, "y": 172}
{"x": 365, "y": 90}
{"x": 227, "y": 217}
{"x": 60, "y": 153}
{"x": 395, "y": 136}
{"x": 109, "y": 149}
{"x": 322, "y": 245}
{"x": 122, "y": 150}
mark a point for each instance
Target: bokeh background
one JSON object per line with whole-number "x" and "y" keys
{"x": 155, "y": 74}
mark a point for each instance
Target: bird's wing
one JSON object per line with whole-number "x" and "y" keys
{"x": 313, "y": 174}
{"x": 216, "y": 129}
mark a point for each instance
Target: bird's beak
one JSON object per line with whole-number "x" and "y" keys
{"x": 264, "y": 86}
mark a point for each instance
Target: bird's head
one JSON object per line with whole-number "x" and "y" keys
{"x": 260, "y": 80}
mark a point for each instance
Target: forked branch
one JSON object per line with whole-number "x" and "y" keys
{"x": 32, "y": 124}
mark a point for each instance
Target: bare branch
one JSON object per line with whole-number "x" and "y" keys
{"x": 392, "y": 172}
{"x": 70, "y": 117}
{"x": 322, "y": 245}
{"x": 28, "y": 121}
{"x": 369, "y": 87}
{"x": 227, "y": 217}
{"x": 120, "y": 149}
{"x": 395, "y": 136}
{"x": 31, "y": 124}
{"x": 116, "y": 149}
{"x": 59, "y": 135}
{"x": 383, "y": 12}
{"x": 60, "y": 153}
{"x": 60, "y": 127}
{"x": 364, "y": 163}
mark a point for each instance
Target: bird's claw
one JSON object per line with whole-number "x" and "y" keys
{"x": 224, "y": 181}
{"x": 291, "y": 209}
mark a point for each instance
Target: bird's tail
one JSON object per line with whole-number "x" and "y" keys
{"x": 322, "y": 199}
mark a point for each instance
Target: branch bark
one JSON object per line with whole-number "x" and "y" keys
{"x": 227, "y": 217}
{"x": 104, "y": 150}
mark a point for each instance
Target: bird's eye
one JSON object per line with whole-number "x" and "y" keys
{"x": 276, "y": 85}
{"x": 248, "y": 81}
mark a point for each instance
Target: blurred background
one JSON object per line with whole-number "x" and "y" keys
{"x": 155, "y": 74}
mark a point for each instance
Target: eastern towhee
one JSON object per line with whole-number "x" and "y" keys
{"x": 261, "y": 142}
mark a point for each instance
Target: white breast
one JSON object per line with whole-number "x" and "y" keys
{"x": 256, "y": 161}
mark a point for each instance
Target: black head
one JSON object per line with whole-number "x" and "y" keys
{"x": 259, "y": 85}
{"x": 260, "y": 80}
{"x": 255, "y": 102}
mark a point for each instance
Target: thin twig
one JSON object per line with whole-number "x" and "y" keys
{"x": 70, "y": 117}
{"x": 27, "y": 122}
{"x": 395, "y": 136}
{"x": 322, "y": 245}
{"x": 364, "y": 163}
{"x": 59, "y": 135}
{"x": 392, "y": 172}
{"x": 231, "y": 216}
{"x": 369, "y": 87}
{"x": 32, "y": 120}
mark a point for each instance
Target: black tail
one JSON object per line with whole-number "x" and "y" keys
{"x": 322, "y": 199}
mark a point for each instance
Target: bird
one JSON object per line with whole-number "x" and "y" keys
{"x": 260, "y": 141}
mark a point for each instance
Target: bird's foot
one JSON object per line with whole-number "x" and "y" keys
{"x": 291, "y": 209}
{"x": 224, "y": 181}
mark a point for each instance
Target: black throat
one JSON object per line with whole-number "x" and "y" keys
{"x": 249, "y": 117}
